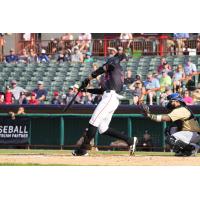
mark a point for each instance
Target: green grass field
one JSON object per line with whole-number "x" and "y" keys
{"x": 68, "y": 152}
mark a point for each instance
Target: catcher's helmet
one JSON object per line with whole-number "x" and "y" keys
{"x": 176, "y": 97}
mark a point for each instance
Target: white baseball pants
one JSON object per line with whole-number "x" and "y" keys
{"x": 104, "y": 111}
{"x": 187, "y": 136}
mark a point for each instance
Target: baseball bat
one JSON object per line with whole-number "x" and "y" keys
{"x": 70, "y": 103}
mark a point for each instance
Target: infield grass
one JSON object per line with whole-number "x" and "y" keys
{"x": 68, "y": 152}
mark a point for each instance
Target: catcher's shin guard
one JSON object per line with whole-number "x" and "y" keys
{"x": 183, "y": 147}
{"x": 180, "y": 146}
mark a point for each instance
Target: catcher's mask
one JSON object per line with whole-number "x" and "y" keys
{"x": 174, "y": 97}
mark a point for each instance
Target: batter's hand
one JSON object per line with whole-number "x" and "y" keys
{"x": 85, "y": 83}
{"x": 146, "y": 110}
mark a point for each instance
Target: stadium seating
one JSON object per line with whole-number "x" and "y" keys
{"x": 60, "y": 76}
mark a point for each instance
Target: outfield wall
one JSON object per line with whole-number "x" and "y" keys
{"x": 62, "y": 130}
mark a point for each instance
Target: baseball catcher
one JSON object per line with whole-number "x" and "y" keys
{"x": 184, "y": 140}
{"x": 112, "y": 84}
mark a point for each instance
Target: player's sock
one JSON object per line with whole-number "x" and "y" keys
{"x": 90, "y": 134}
{"x": 116, "y": 134}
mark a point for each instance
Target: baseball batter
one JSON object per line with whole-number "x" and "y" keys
{"x": 184, "y": 140}
{"x": 112, "y": 84}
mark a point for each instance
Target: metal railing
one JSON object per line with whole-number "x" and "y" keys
{"x": 99, "y": 47}
{"x": 64, "y": 120}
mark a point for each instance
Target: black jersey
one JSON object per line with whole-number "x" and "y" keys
{"x": 114, "y": 76}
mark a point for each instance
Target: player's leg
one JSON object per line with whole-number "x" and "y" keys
{"x": 96, "y": 119}
{"x": 184, "y": 142}
{"x": 86, "y": 143}
{"x": 104, "y": 128}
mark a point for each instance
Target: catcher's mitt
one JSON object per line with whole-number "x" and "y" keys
{"x": 146, "y": 110}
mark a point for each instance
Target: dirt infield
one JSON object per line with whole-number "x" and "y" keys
{"x": 97, "y": 160}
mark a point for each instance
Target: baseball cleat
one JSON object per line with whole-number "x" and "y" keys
{"x": 80, "y": 152}
{"x": 133, "y": 146}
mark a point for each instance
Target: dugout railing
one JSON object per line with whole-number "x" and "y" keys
{"x": 63, "y": 130}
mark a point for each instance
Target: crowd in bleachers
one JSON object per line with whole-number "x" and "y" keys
{"x": 55, "y": 78}
{"x": 163, "y": 81}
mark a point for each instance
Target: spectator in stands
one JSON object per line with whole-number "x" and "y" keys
{"x": 186, "y": 51}
{"x": 88, "y": 58}
{"x": 12, "y": 58}
{"x": 138, "y": 77}
{"x": 68, "y": 40}
{"x": 128, "y": 78}
{"x": 126, "y": 39}
{"x": 69, "y": 96}
{"x": 20, "y": 111}
{"x": 164, "y": 65}
{"x": 196, "y": 95}
{"x": 111, "y": 52}
{"x": 54, "y": 54}
{"x": 61, "y": 57}
{"x": 2, "y": 96}
{"x": 40, "y": 92}
{"x": 187, "y": 98}
{"x": 181, "y": 38}
{"x": 23, "y": 99}
{"x": 67, "y": 37}
{"x": 23, "y": 58}
{"x": 56, "y": 99}
{"x": 16, "y": 90}
{"x": 85, "y": 41}
{"x": 86, "y": 98}
{"x": 52, "y": 46}
{"x": 32, "y": 57}
{"x": 156, "y": 75}
{"x": 138, "y": 92}
{"x": 178, "y": 77}
{"x": 33, "y": 100}
{"x": 198, "y": 45}
{"x": 78, "y": 98}
{"x": 146, "y": 143}
{"x": 77, "y": 56}
{"x": 190, "y": 68}
{"x": 163, "y": 96}
{"x": 165, "y": 81}
{"x": 9, "y": 99}
{"x": 68, "y": 55}
{"x": 43, "y": 58}
{"x": 151, "y": 85}
{"x": 171, "y": 47}
{"x": 64, "y": 99}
